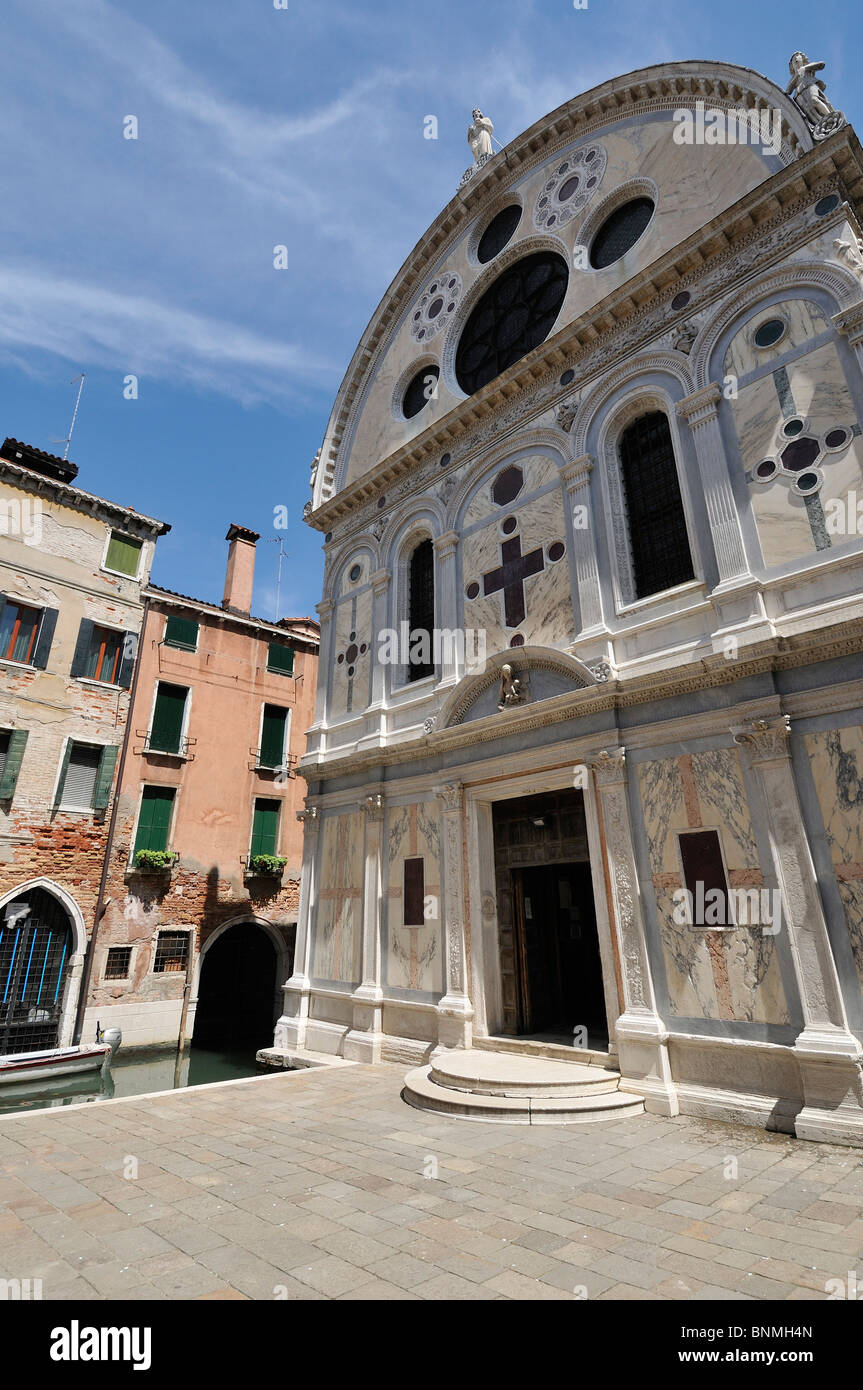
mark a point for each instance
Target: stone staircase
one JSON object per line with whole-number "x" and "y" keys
{"x": 511, "y": 1086}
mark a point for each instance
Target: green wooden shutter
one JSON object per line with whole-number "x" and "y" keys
{"x": 81, "y": 659}
{"x": 181, "y": 632}
{"x": 168, "y": 718}
{"x": 127, "y": 659}
{"x": 14, "y": 754}
{"x": 265, "y": 826}
{"x": 124, "y": 555}
{"x": 105, "y": 777}
{"x": 154, "y": 821}
{"x": 46, "y": 636}
{"x": 280, "y": 659}
{"x": 273, "y": 736}
{"x": 64, "y": 768}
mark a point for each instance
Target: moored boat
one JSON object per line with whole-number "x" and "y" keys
{"x": 52, "y": 1064}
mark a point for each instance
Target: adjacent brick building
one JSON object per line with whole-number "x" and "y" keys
{"x": 72, "y": 570}
{"x": 208, "y": 849}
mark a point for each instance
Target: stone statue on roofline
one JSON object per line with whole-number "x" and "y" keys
{"x": 807, "y": 92}
{"x": 479, "y": 137}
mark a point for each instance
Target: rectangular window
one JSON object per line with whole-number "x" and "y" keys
{"x": 172, "y": 949}
{"x": 79, "y": 781}
{"x": 280, "y": 659}
{"x": 118, "y": 962}
{"x": 414, "y": 894}
{"x": 18, "y": 628}
{"x": 103, "y": 658}
{"x": 168, "y": 716}
{"x": 182, "y": 633}
{"x": 265, "y": 827}
{"x": 703, "y": 872}
{"x": 274, "y": 728}
{"x": 154, "y": 819}
{"x": 124, "y": 555}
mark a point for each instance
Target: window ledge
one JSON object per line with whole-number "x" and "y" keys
{"x": 121, "y": 574}
{"x": 103, "y": 685}
{"x": 18, "y": 665}
{"x": 663, "y": 596}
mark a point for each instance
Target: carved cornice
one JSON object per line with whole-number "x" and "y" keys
{"x": 766, "y": 739}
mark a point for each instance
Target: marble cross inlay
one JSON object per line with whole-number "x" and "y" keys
{"x": 510, "y": 575}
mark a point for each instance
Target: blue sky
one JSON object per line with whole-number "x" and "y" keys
{"x": 258, "y": 127}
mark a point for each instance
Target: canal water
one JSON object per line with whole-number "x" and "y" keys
{"x": 137, "y": 1073}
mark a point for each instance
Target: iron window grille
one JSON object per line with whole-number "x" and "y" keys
{"x": 35, "y": 946}
{"x": 118, "y": 961}
{"x": 514, "y": 316}
{"x": 172, "y": 953}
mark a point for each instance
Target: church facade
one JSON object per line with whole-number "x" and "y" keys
{"x": 601, "y": 444}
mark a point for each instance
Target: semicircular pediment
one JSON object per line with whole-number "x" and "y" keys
{"x": 513, "y": 679}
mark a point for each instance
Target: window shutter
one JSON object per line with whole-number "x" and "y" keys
{"x": 280, "y": 659}
{"x": 273, "y": 736}
{"x": 82, "y": 770}
{"x": 155, "y": 818}
{"x": 168, "y": 718}
{"x": 265, "y": 826}
{"x": 127, "y": 659}
{"x": 124, "y": 555}
{"x": 64, "y": 767}
{"x": 45, "y": 638}
{"x": 181, "y": 632}
{"x": 82, "y": 648}
{"x": 105, "y": 777}
{"x": 12, "y": 766}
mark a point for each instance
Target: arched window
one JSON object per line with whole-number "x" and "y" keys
{"x": 421, "y": 611}
{"x": 35, "y": 947}
{"x": 658, "y": 539}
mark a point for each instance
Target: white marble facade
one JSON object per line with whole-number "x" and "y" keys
{"x": 732, "y": 702}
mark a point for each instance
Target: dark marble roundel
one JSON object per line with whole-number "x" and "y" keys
{"x": 800, "y": 453}
{"x": 825, "y": 205}
{"x": 556, "y": 550}
{"x": 508, "y": 525}
{"x": 835, "y": 439}
{"x": 766, "y": 468}
{"x": 808, "y": 482}
{"x": 681, "y": 300}
{"x": 507, "y": 485}
{"x": 472, "y": 590}
{"x": 352, "y": 653}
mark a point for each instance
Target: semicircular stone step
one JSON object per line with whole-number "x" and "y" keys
{"x": 502, "y": 1074}
{"x": 422, "y": 1093}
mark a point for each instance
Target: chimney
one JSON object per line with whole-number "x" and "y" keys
{"x": 240, "y": 574}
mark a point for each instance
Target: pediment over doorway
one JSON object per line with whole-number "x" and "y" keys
{"x": 536, "y": 674}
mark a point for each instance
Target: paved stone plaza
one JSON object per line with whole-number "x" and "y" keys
{"x": 313, "y": 1185}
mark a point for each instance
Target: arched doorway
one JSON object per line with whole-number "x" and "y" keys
{"x": 36, "y": 950}
{"x": 237, "y": 990}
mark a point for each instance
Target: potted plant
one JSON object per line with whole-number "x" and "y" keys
{"x": 265, "y": 866}
{"x": 154, "y": 861}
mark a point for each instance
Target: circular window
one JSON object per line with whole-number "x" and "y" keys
{"x": 769, "y": 332}
{"x": 355, "y": 573}
{"x": 837, "y": 439}
{"x": 828, "y": 204}
{"x": 421, "y": 389}
{"x": 514, "y": 316}
{"x": 498, "y": 233}
{"x": 620, "y": 231}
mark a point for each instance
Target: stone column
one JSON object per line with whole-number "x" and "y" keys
{"x": 700, "y": 410}
{"x": 447, "y": 605}
{"x": 576, "y": 478}
{"x": 642, "y": 1037}
{"x": 364, "y": 1041}
{"x": 828, "y": 1055}
{"x": 291, "y": 1027}
{"x": 380, "y": 582}
{"x": 455, "y": 1012}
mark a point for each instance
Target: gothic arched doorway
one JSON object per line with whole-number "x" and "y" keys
{"x": 237, "y": 990}
{"x": 36, "y": 945}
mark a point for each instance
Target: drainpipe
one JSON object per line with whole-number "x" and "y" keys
{"x": 112, "y": 827}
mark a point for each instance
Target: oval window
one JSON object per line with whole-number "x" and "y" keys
{"x": 766, "y": 334}
{"x": 515, "y": 315}
{"x": 421, "y": 389}
{"x": 620, "y": 231}
{"x": 498, "y": 233}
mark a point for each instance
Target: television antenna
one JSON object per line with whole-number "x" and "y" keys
{"x": 68, "y": 439}
{"x": 283, "y": 555}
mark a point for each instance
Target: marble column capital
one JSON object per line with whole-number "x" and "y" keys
{"x": 310, "y": 819}
{"x": 576, "y": 473}
{"x": 380, "y": 580}
{"x": 447, "y": 544}
{"x": 324, "y": 608}
{"x": 849, "y": 322}
{"x": 451, "y": 794}
{"x": 374, "y": 806}
{"x": 701, "y": 407}
{"x": 766, "y": 739}
{"x": 608, "y": 765}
